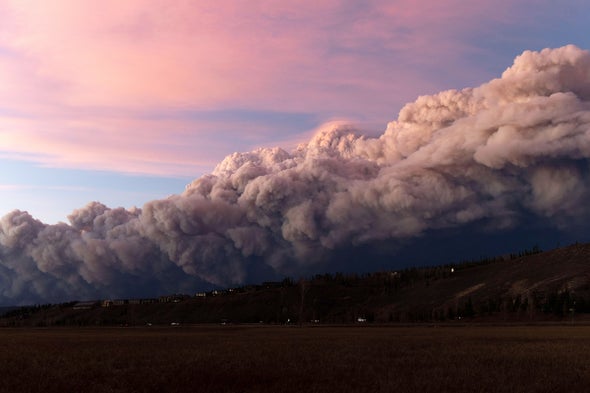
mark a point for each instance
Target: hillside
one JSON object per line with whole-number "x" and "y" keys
{"x": 536, "y": 286}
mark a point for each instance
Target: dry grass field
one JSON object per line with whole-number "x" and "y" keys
{"x": 293, "y": 359}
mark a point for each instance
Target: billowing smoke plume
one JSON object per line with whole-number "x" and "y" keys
{"x": 494, "y": 157}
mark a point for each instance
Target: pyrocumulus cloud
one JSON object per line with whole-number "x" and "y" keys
{"x": 514, "y": 147}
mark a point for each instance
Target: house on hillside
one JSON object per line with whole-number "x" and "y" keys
{"x": 177, "y": 298}
{"x": 86, "y": 305}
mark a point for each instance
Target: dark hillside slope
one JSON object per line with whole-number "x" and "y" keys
{"x": 528, "y": 286}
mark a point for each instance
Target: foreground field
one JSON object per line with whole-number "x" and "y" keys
{"x": 291, "y": 359}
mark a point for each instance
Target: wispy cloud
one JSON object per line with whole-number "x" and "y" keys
{"x": 12, "y": 187}
{"x": 24, "y": 187}
{"x": 78, "y": 77}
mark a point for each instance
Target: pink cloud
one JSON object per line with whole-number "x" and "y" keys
{"x": 104, "y": 144}
{"x": 74, "y": 73}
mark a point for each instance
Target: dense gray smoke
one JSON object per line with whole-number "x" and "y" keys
{"x": 516, "y": 147}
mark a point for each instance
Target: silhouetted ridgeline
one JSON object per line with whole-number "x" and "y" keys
{"x": 528, "y": 286}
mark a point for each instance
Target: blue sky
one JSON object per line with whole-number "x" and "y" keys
{"x": 50, "y": 194}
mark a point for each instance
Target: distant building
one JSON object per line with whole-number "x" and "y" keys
{"x": 86, "y": 305}
{"x": 122, "y": 302}
{"x": 177, "y": 298}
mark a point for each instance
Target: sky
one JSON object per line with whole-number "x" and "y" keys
{"x": 126, "y": 102}
{"x": 161, "y": 147}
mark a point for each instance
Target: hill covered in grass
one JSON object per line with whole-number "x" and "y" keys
{"x": 531, "y": 286}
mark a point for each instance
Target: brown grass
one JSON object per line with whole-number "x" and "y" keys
{"x": 290, "y": 359}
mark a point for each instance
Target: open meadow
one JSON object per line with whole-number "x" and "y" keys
{"x": 294, "y": 359}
